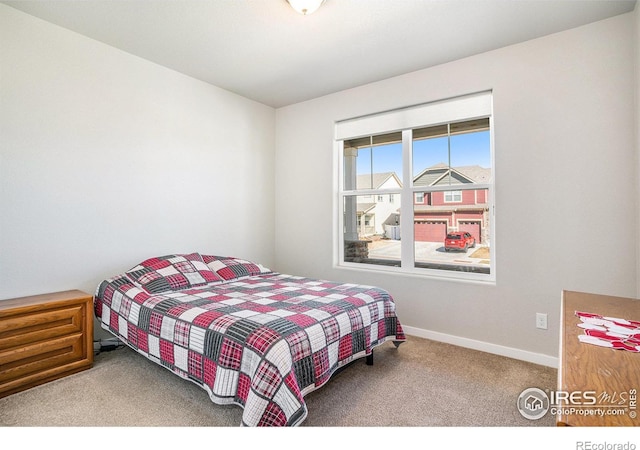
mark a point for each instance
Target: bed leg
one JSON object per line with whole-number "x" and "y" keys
{"x": 370, "y": 359}
{"x": 397, "y": 343}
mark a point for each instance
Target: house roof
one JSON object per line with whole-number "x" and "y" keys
{"x": 431, "y": 176}
{"x": 439, "y": 174}
{"x": 476, "y": 173}
{"x": 374, "y": 181}
{"x": 364, "y": 208}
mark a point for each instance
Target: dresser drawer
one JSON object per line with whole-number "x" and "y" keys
{"x": 23, "y": 329}
{"x": 41, "y": 358}
{"x": 43, "y": 338}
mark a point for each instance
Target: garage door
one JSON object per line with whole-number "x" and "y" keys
{"x": 430, "y": 231}
{"x": 473, "y": 228}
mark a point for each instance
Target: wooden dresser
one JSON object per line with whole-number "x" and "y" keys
{"x": 44, "y": 337}
{"x": 604, "y": 382}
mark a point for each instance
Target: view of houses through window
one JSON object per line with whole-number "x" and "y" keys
{"x": 446, "y": 197}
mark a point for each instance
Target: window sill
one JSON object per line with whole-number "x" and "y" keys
{"x": 420, "y": 273}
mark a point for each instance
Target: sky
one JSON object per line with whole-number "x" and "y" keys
{"x": 466, "y": 150}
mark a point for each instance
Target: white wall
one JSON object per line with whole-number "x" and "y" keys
{"x": 636, "y": 41}
{"x": 565, "y": 185}
{"x": 107, "y": 159}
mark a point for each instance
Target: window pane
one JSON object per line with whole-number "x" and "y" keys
{"x": 373, "y": 163}
{"x": 466, "y": 224}
{"x": 471, "y": 158}
{"x": 371, "y": 230}
{"x": 430, "y": 160}
{"x": 452, "y": 154}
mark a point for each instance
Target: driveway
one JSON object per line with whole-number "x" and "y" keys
{"x": 426, "y": 252}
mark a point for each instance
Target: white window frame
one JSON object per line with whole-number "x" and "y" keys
{"x": 468, "y": 107}
{"x": 453, "y": 195}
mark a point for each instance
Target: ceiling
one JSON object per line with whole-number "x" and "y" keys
{"x": 265, "y": 51}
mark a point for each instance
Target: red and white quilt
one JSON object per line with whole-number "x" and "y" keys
{"x": 246, "y": 335}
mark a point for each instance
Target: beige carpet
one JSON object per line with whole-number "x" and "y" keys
{"x": 421, "y": 384}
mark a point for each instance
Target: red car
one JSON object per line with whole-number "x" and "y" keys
{"x": 459, "y": 240}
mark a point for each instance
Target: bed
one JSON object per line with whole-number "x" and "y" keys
{"x": 245, "y": 334}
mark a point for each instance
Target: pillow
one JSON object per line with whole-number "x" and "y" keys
{"x": 172, "y": 273}
{"x": 230, "y": 268}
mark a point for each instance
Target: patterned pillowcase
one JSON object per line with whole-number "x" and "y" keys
{"x": 172, "y": 273}
{"x": 229, "y": 268}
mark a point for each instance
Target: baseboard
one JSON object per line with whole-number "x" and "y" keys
{"x": 510, "y": 352}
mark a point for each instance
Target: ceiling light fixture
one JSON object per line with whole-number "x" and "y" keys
{"x": 305, "y": 7}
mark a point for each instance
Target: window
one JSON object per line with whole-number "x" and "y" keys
{"x": 434, "y": 162}
{"x": 453, "y": 196}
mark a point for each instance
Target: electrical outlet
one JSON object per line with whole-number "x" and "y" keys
{"x": 541, "y": 321}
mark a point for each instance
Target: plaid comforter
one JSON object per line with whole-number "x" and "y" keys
{"x": 248, "y": 336}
